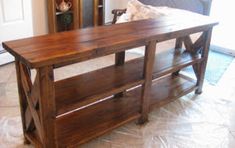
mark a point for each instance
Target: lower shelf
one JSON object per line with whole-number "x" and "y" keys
{"x": 97, "y": 119}
{"x": 167, "y": 89}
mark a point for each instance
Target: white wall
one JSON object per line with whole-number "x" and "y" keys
{"x": 39, "y": 8}
{"x": 113, "y": 4}
{"x": 224, "y": 11}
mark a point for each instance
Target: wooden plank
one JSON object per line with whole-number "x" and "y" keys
{"x": 177, "y": 87}
{"x": 34, "y": 98}
{"x": 27, "y": 87}
{"x": 22, "y": 99}
{"x": 120, "y": 58}
{"x": 179, "y": 43}
{"x": 188, "y": 44}
{"x": 99, "y": 41}
{"x": 83, "y": 125}
{"x": 93, "y": 86}
{"x": 45, "y": 80}
{"x": 167, "y": 89}
{"x": 119, "y": 61}
{"x": 25, "y": 77}
{"x": 199, "y": 42}
{"x": 171, "y": 61}
{"x": 35, "y": 118}
{"x": 202, "y": 69}
{"x": 90, "y": 122}
{"x": 147, "y": 74}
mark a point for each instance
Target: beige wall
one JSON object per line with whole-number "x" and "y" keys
{"x": 39, "y": 9}
{"x": 39, "y": 13}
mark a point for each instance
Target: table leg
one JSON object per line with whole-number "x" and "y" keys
{"x": 120, "y": 58}
{"x": 22, "y": 99}
{"x": 178, "y": 43}
{"x": 202, "y": 69}
{"x": 146, "y": 87}
{"x": 119, "y": 61}
{"x": 47, "y": 107}
{"x": 178, "y": 47}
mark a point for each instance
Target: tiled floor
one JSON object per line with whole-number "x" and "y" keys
{"x": 192, "y": 121}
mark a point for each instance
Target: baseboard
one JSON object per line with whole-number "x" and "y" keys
{"x": 6, "y": 58}
{"x": 223, "y": 50}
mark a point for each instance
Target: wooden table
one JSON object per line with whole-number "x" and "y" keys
{"x": 72, "y": 111}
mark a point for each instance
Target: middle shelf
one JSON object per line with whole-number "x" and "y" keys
{"x": 90, "y": 87}
{"x": 95, "y": 120}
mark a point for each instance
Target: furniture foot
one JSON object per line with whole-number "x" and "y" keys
{"x": 198, "y": 91}
{"x": 176, "y": 73}
{"x": 143, "y": 120}
{"x": 26, "y": 141}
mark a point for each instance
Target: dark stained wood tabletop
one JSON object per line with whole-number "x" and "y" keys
{"x": 88, "y": 43}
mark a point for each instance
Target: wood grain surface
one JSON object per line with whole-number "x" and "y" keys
{"x": 79, "y": 45}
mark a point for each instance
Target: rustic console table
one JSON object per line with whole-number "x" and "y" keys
{"x": 72, "y": 111}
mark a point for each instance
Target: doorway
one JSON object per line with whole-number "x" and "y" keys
{"x": 15, "y": 23}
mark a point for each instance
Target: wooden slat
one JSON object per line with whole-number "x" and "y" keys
{"x": 22, "y": 99}
{"x": 120, "y": 58}
{"x": 167, "y": 89}
{"x": 188, "y": 44}
{"x": 179, "y": 43}
{"x": 100, "y": 41}
{"x": 199, "y": 42}
{"x": 147, "y": 74}
{"x": 35, "y": 118}
{"x": 171, "y": 61}
{"x": 47, "y": 106}
{"x": 25, "y": 77}
{"x": 90, "y": 122}
{"x": 194, "y": 48}
{"x": 90, "y": 87}
{"x": 34, "y": 97}
{"x": 190, "y": 48}
{"x": 83, "y": 125}
{"x": 178, "y": 87}
{"x": 27, "y": 85}
{"x": 202, "y": 69}
{"x": 119, "y": 61}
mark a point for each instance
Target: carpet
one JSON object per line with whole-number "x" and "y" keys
{"x": 216, "y": 66}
